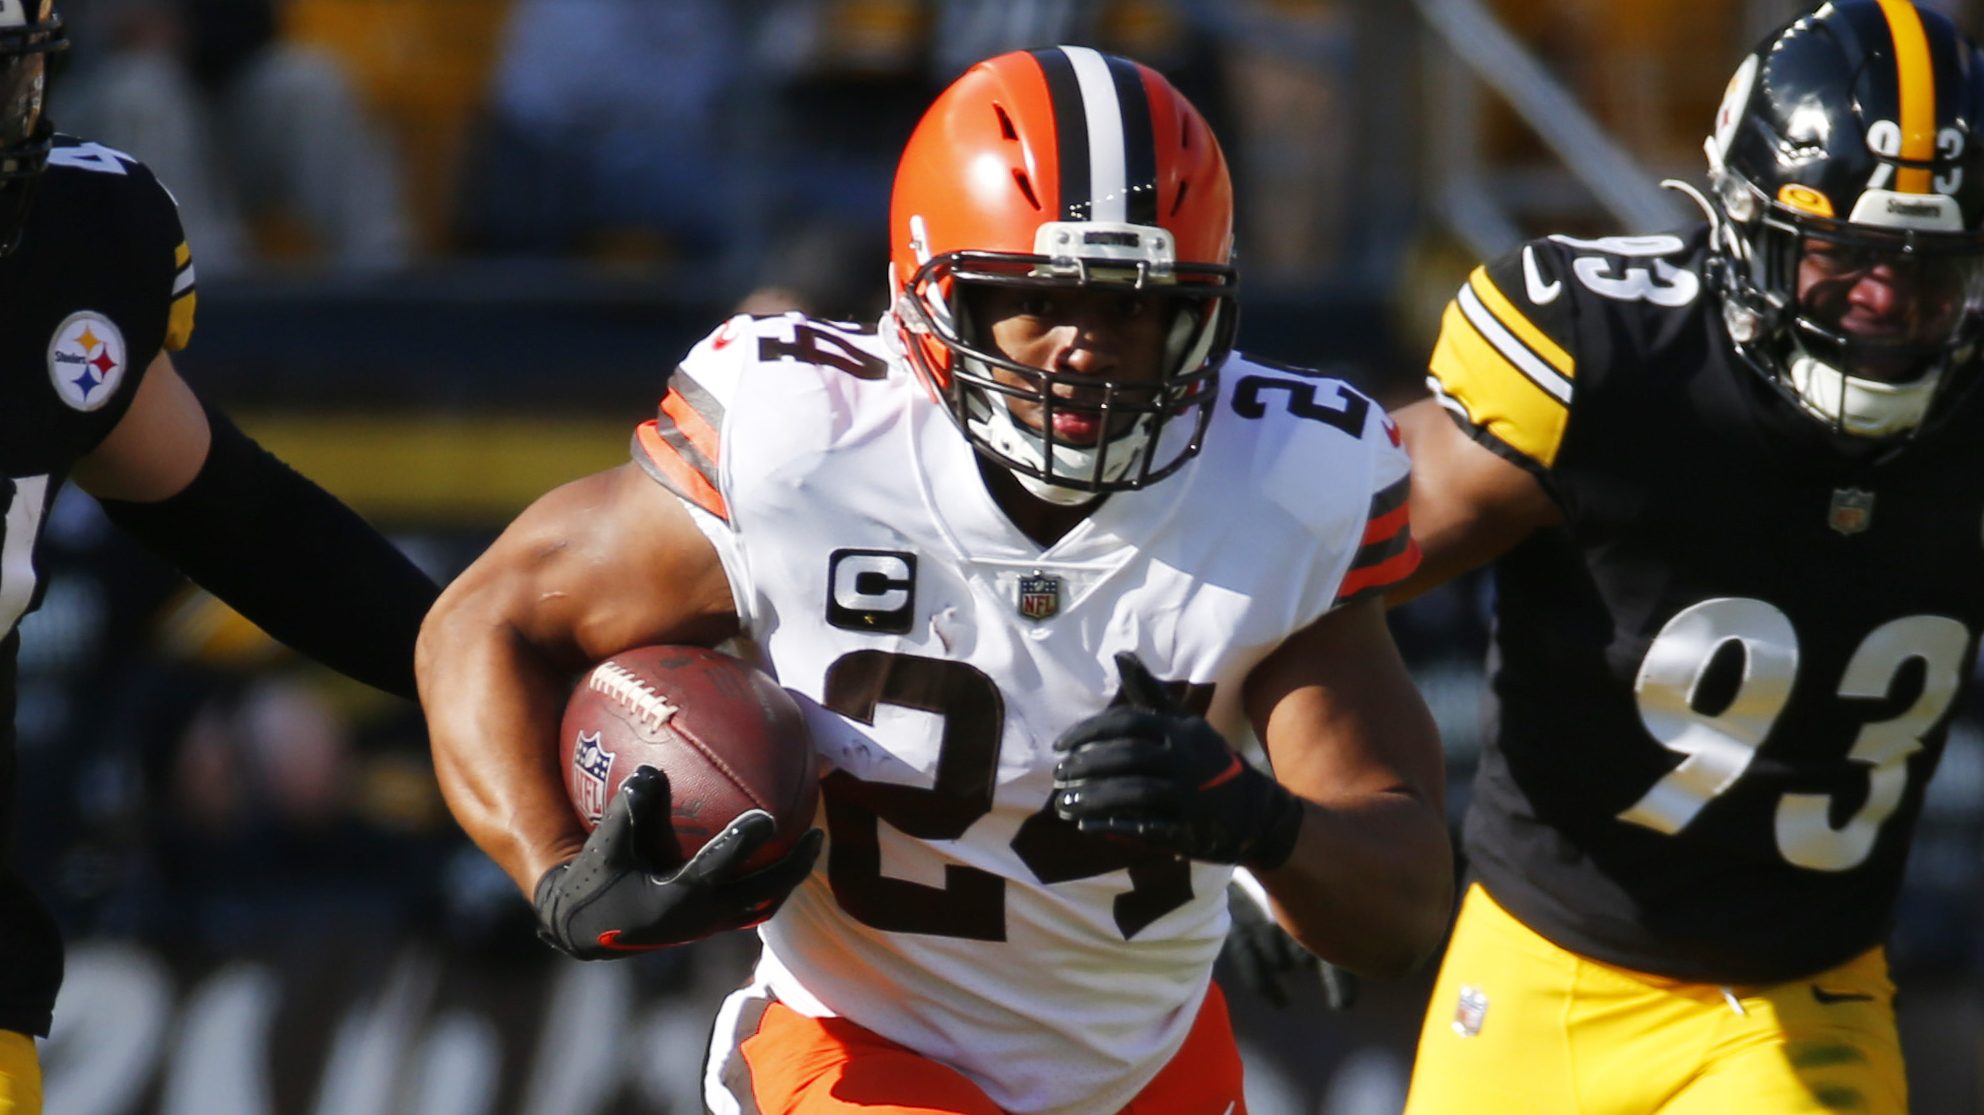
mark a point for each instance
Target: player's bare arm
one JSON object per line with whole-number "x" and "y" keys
{"x": 605, "y": 563}
{"x": 156, "y": 448}
{"x": 1370, "y": 882}
{"x": 1468, "y": 504}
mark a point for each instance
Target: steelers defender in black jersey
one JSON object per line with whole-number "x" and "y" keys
{"x": 96, "y": 286}
{"x": 1732, "y": 482}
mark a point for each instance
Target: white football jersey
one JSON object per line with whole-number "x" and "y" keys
{"x": 951, "y": 911}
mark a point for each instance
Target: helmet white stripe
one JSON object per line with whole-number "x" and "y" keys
{"x": 1107, "y": 159}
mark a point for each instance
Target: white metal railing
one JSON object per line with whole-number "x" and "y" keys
{"x": 1466, "y": 197}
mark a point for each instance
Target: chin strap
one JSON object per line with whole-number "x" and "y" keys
{"x": 993, "y": 423}
{"x": 1862, "y": 407}
{"x": 1054, "y": 493}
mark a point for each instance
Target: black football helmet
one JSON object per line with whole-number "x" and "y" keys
{"x": 29, "y": 32}
{"x": 1848, "y": 145}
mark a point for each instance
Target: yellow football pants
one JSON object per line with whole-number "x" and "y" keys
{"x": 1517, "y": 1024}
{"x": 20, "y": 1075}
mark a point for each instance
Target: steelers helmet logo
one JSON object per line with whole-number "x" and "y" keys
{"x": 86, "y": 360}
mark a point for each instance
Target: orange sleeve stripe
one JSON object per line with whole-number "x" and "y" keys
{"x": 693, "y": 425}
{"x": 1386, "y": 525}
{"x": 666, "y": 464}
{"x": 1373, "y": 578}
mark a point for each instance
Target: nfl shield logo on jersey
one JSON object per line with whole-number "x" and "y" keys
{"x": 1470, "y": 1012}
{"x": 1040, "y": 595}
{"x": 1852, "y": 510}
{"x": 591, "y": 762}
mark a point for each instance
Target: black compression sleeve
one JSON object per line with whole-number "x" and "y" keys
{"x": 288, "y": 555}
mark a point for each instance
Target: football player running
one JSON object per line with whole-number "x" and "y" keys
{"x": 97, "y": 284}
{"x": 1732, "y": 483}
{"x": 1035, "y": 550}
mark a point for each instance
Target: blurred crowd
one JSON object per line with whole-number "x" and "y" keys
{"x": 750, "y": 142}
{"x": 371, "y": 135}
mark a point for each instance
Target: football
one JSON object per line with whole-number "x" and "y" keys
{"x": 726, "y": 736}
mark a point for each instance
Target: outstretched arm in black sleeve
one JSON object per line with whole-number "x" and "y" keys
{"x": 277, "y": 548}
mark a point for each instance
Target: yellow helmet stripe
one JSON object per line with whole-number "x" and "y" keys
{"x": 1918, "y": 93}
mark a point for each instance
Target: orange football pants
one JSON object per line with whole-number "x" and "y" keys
{"x": 830, "y": 1066}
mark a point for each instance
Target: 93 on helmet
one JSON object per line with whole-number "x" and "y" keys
{"x": 1846, "y": 146}
{"x": 1055, "y": 169}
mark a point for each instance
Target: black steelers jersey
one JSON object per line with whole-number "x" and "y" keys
{"x": 1719, "y": 689}
{"x": 101, "y": 282}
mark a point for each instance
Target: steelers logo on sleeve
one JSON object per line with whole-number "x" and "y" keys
{"x": 86, "y": 360}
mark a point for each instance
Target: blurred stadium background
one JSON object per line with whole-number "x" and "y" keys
{"x": 449, "y": 251}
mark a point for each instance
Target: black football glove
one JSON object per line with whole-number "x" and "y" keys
{"x": 1273, "y": 964}
{"x": 605, "y": 903}
{"x": 1151, "y": 773}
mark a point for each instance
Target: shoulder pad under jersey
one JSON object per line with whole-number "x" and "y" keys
{"x": 105, "y": 210}
{"x": 682, "y": 446}
{"x": 1521, "y": 330}
{"x": 1330, "y": 456}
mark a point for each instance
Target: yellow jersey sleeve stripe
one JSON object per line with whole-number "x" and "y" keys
{"x": 1550, "y": 379}
{"x": 1516, "y": 322}
{"x": 179, "y": 321}
{"x": 1492, "y": 393}
{"x": 1917, "y": 82}
{"x": 185, "y": 299}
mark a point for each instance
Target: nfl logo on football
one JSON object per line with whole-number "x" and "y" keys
{"x": 1040, "y": 595}
{"x": 592, "y": 762}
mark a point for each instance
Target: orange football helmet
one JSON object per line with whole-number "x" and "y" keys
{"x": 1055, "y": 168}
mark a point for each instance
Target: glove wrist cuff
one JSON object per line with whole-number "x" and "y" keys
{"x": 1279, "y": 829}
{"x": 541, "y": 894}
